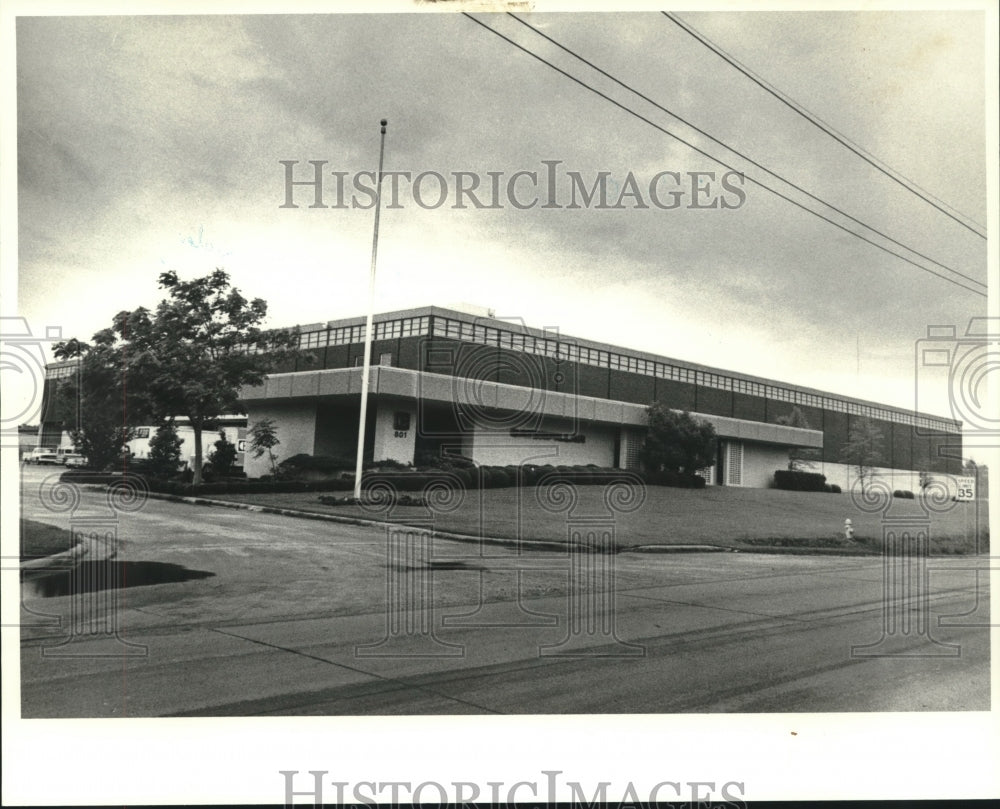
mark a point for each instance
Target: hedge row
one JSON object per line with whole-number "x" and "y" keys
{"x": 678, "y": 479}
{"x": 905, "y": 494}
{"x": 487, "y": 477}
{"x": 331, "y": 464}
{"x": 82, "y": 476}
{"x": 799, "y": 481}
{"x": 496, "y": 477}
{"x": 402, "y": 480}
{"x": 183, "y": 489}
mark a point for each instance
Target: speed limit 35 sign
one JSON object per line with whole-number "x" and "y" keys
{"x": 966, "y": 489}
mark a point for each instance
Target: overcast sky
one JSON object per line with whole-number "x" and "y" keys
{"x": 153, "y": 143}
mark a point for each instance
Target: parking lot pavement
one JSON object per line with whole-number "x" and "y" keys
{"x": 291, "y": 616}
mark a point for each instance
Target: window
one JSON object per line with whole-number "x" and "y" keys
{"x": 632, "y": 449}
{"x": 734, "y": 463}
{"x": 416, "y": 326}
{"x": 60, "y": 373}
{"x": 550, "y": 346}
{"x": 314, "y": 339}
{"x": 385, "y": 359}
{"x": 400, "y": 421}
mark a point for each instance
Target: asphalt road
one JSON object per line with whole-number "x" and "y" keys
{"x": 258, "y": 614}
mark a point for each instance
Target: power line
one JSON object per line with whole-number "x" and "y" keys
{"x": 737, "y": 152}
{"x": 887, "y": 170}
{"x": 715, "y": 159}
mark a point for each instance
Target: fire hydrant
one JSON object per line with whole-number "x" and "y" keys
{"x": 848, "y": 529}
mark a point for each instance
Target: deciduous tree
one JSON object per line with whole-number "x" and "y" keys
{"x": 192, "y": 354}
{"x": 264, "y": 438}
{"x": 95, "y": 404}
{"x": 677, "y": 442}
{"x": 862, "y": 450}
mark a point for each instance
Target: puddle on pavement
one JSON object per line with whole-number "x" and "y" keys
{"x": 451, "y": 565}
{"x": 92, "y": 577}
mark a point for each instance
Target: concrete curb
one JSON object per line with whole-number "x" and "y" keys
{"x": 67, "y": 560}
{"x": 536, "y": 544}
{"x": 57, "y": 561}
{"x": 783, "y": 549}
{"x": 680, "y": 549}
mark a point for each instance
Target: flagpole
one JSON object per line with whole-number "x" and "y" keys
{"x": 366, "y": 368}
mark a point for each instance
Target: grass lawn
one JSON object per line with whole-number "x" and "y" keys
{"x": 39, "y": 539}
{"x": 725, "y": 516}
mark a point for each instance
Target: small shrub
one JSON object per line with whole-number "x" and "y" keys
{"x": 223, "y": 457}
{"x": 695, "y": 482}
{"x": 494, "y": 477}
{"x": 387, "y": 463}
{"x": 423, "y": 458}
{"x": 165, "y": 451}
{"x": 432, "y": 460}
{"x": 400, "y": 500}
{"x": 316, "y": 463}
{"x": 530, "y": 474}
{"x": 799, "y": 481}
{"x": 499, "y": 479}
{"x": 667, "y": 477}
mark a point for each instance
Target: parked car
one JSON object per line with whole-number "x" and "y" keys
{"x": 74, "y": 459}
{"x": 42, "y": 455}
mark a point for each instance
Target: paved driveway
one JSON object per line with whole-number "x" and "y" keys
{"x": 265, "y": 614}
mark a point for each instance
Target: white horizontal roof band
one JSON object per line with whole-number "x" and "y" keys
{"x": 407, "y": 384}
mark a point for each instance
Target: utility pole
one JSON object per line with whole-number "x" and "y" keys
{"x": 366, "y": 368}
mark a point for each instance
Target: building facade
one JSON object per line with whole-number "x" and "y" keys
{"x": 58, "y": 421}
{"x": 499, "y": 392}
